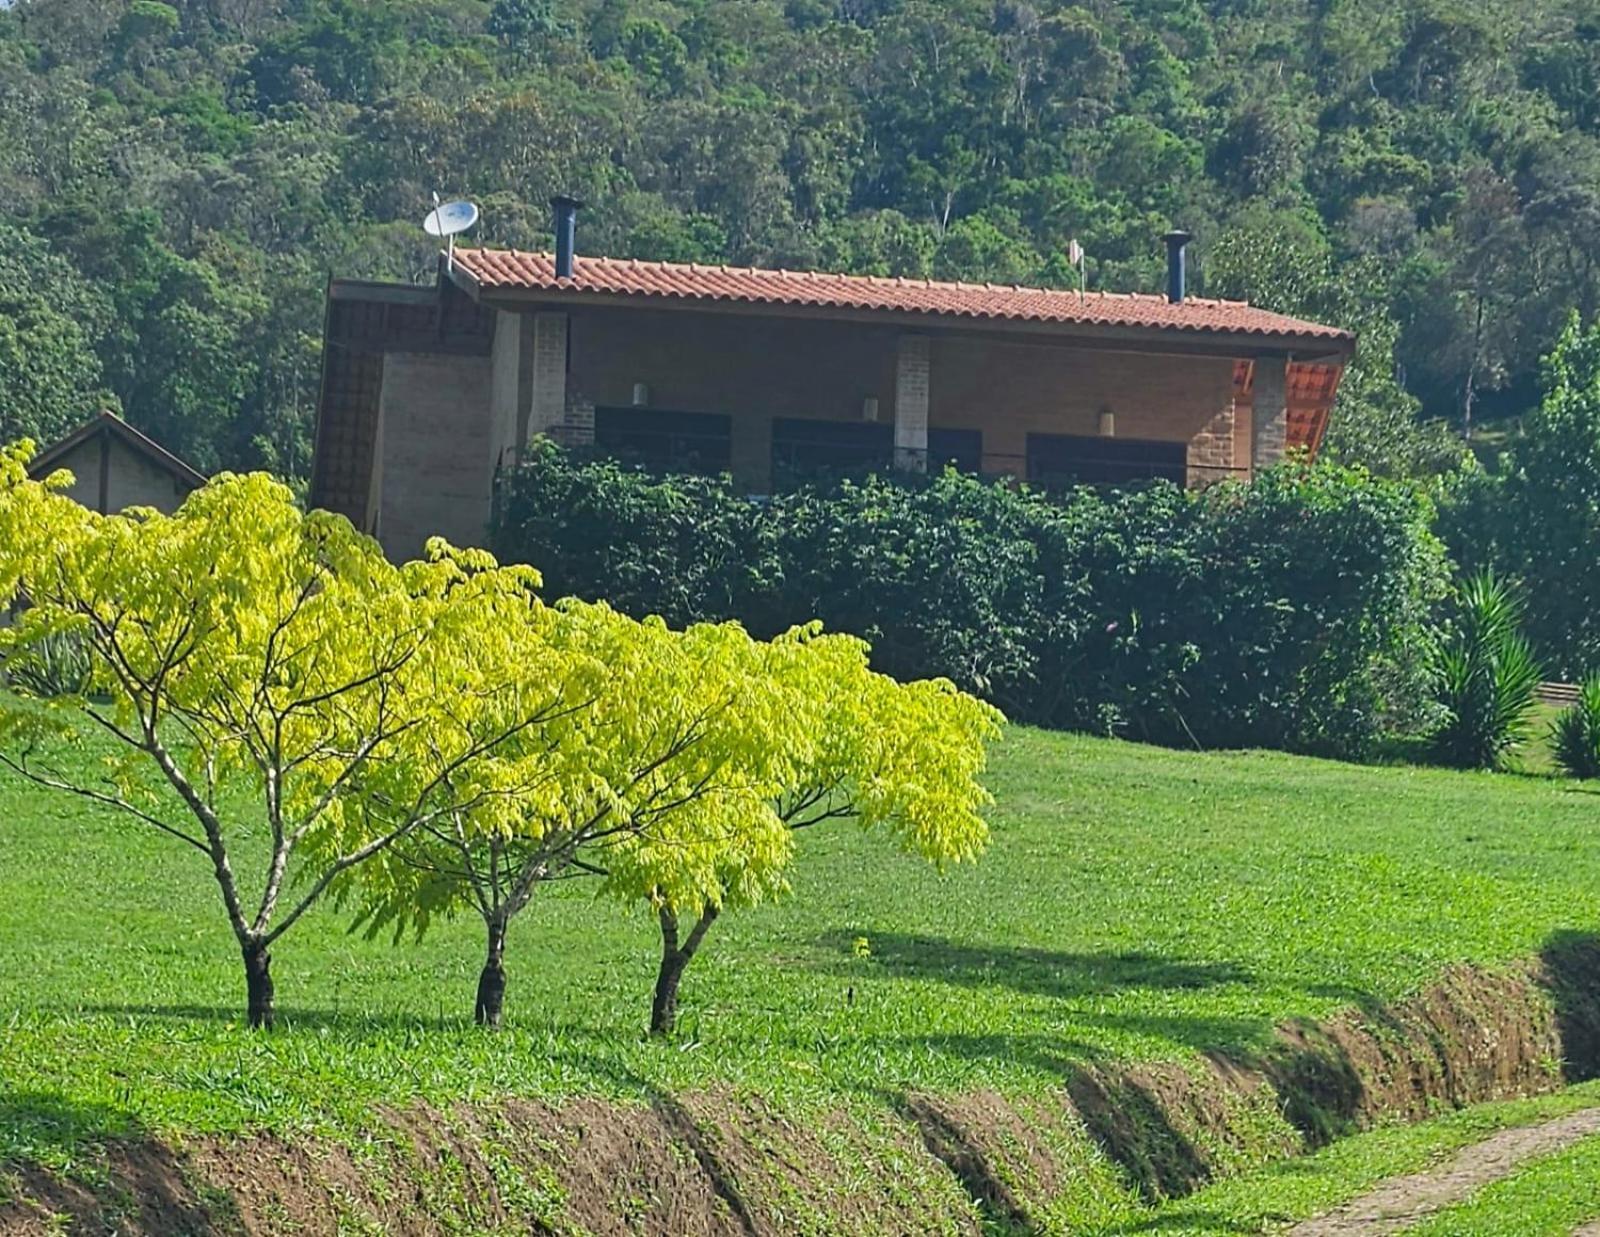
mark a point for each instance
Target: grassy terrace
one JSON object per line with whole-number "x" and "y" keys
{"x": 1137, "y": 903}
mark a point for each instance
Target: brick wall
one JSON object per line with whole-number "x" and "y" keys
{"x": 1269, "y": 413}
{"x": 911, "y": 390}
{"x": 436, "y": 478}
{"x": 1212, "y": 450}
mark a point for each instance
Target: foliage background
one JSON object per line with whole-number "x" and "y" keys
{"x": 179, "y": 179}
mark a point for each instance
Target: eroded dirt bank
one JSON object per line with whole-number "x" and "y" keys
{"x": 718, "y": 1163}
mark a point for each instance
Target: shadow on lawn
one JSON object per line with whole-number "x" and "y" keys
{"x": 290, "y": 1018}
{"x": 116, "y": 1174}
{"x": 38, "y": 1125}
{"x": 1034, "y": 972}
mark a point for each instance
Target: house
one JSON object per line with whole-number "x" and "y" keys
{"x": 771, "y": 374}
{"x": 114, "y": 466}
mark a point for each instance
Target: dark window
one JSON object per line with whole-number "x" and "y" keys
{"x": 817, "y": 450}
{"x": 698, "y": 442}
{"x": 1057, "y": 459}
{"x": 963, "y": 448}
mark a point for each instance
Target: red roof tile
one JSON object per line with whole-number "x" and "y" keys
{"x": 508, "y": 269}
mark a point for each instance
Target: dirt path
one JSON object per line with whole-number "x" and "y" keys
{"x": 1405, "y": 1200}
{"x": 1591, "y": 1229}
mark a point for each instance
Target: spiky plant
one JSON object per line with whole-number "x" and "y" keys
{"x": 1485, "y": 676}
{"x": 1575, "y": 734}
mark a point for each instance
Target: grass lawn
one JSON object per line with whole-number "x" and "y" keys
{"x": 1137, "y": 903}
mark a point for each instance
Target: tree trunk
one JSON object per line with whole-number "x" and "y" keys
{"x": 258, "y": 985}
{"x": 492, "y": 980}
{"x": 674, "y": 958}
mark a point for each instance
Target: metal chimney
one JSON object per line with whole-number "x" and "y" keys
{"x": 1177, "y": 272}
{"x": 566, "y": 218}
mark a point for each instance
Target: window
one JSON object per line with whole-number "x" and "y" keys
{"x": 963, "y": 448}
{"x": 1060, "y": 459}
{"x": 699, "y": 442}
{"x": 813, "y": 450}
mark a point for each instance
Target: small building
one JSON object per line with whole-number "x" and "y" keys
{"x": 114, "y": 467}
{"x": 772, "y": 375}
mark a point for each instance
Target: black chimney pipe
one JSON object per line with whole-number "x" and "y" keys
{"x": 566, "y": 210}
{"x": 1177, "y": 266}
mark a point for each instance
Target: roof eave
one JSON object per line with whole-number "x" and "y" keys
{"x": 1210, "y": 340}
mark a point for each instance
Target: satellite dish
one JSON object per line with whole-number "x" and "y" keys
{"x": 448, "y": 218}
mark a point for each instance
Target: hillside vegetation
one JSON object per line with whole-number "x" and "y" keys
{"x": 179, "y": 179}
{"x": 1140, "y": 908}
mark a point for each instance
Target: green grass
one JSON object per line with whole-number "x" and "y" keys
{"x": 1547, "y": 1197}
{"x": 1268, "y": 1200}
{"x": 1137, "y": 903}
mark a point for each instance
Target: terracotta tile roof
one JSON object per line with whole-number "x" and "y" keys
{"x": 511, "y": 270}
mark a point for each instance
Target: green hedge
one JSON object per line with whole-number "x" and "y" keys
{"x": 1288, "y": 613}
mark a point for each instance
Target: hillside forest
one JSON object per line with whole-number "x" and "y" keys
{"x": 179, "y": 180}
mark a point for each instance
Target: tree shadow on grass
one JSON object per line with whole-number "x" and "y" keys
{"x": 287, "y": 1018}
{"x": 92, "y": 1167}
{"x": 1032, "y": 971}
{"x": 40, "y": 1125}
{"x": 1571, "y": 961}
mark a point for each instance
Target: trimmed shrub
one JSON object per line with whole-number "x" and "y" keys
{"x": 1486, "y": 676}
{"x": 1575, "y": 734}
{"x": 1287, "y": 613}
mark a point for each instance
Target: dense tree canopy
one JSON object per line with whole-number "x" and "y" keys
{"x": 1427, "y": 170}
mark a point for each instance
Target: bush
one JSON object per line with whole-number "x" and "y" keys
{"x": 1575, "y": 734}
{"x": 1287, "y": 613}
{"x": 1486, "y": 676}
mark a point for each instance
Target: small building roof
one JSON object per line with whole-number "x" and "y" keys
{"x": 109, "y": 423}
{"x": 511, "y": 271}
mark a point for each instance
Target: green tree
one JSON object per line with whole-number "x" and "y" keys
{"x": 50, "y": 322}
{"x": 1552, "y": 500}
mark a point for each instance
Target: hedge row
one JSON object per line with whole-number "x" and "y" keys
{"x": 1287, "y": 613}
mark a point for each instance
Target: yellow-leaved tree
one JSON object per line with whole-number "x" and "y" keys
{"x": 684, "y": 783}
{"x": 681, "y": 747}
{"x": 257, "y": 670}
{"x": 903, "y": 759}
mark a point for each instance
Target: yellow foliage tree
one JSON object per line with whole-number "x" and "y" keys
{"x": 904, "y": 759}
{"x": 260, "y": 670}
{"x": 672, "y": 763}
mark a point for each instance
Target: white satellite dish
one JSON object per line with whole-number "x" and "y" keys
{"x": 447, "y": 219}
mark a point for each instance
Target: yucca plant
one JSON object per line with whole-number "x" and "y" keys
{"x": 54, "y": 665}
{"x": 1575, "y": 734}
{"x": 1485, "y": 676}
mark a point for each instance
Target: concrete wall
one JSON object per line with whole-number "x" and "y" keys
{"x": 752, "y": 369}
{"x": 1012, "y": 390}
{"x": 436, "y": 474}
{"x": 756, "y": 370}
{"x": 132, "y": 479}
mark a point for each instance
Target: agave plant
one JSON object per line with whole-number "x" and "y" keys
{"x": 1575, "y": 734}
{"x": 1485, "y": 677}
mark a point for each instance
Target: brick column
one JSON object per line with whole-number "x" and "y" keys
{"x": 911, "y": 403}
{"x": 548, "y": 407}
{"x": 577, "y": 425}
{"x": 1269, "y": 414}
{"x": 1211, "y": 450}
